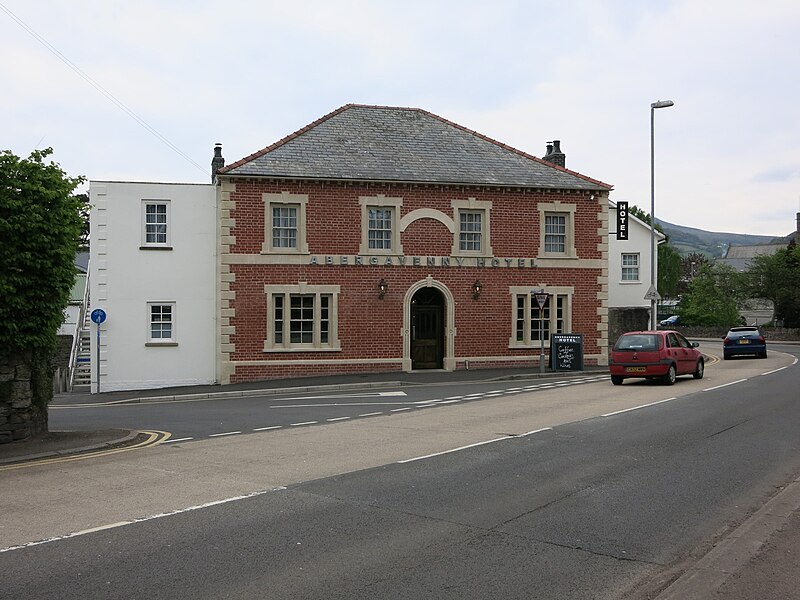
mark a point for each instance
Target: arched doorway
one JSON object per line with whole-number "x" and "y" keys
{"x": 427, "y": 329}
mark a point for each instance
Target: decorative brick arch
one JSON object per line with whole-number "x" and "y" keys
{"x": 449, "y": 360}
{"x": 427, "y": 213}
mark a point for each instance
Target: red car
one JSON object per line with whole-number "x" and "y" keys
{"x": 655, "y": 355}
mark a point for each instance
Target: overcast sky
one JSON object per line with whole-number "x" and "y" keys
{"x": 247, "y": 73}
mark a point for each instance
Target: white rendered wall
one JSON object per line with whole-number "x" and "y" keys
{"x": 124, "y": 278}
{"x": 629, "y": 293}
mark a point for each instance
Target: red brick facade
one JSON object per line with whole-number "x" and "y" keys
{"x": 375, "y": 334}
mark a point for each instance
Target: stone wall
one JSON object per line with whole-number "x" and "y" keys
{"x": 19, "y": 418}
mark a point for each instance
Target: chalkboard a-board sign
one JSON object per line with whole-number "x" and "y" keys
{"x": 566, "y": 352}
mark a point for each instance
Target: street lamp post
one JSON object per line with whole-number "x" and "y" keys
{"x": 653, "y": 107}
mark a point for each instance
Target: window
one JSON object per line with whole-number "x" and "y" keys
{"x": 531, "y": 325}
{"x": 380, "y": 229}
{"x": 469, "y": 231}
{"x": 630, "y": 267}
{"x": 472, "y": 219}
{"x": 285, "y": 223}
{"x": 557, "y": 230}
{"x": 155, "y": 224}
{"x": 302, "y": 317}
{"x": 555, "y": 233}
{"x": 380, "y": 233}
{"x": 161, "y": 323}
{"x": 284, "y": 226}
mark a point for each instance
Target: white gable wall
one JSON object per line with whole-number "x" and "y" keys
{"x": 629, "y": 293}
{"x": 125, "y": 278}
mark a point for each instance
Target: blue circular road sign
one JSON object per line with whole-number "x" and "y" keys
{"x": 98, "y": 315}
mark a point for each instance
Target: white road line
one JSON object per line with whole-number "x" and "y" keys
{"x": 141, "y": 520}
{"x": 537, "y": 431}
{"x": 177, "y": 440}
{"x": 340, "y": 404}
{"x": 716, "y": 387}
{"x": 454, "y": 398}
{"x": 226, "y": 433}
{"x": 619, "y": 412}
{"x": 370, "y": 414}
{"x": 774, "y": 371}
{"x": 268, "y": 428}
{"x": 408, "y": 460}
{"x": 338, "y": 419}
{"x": 304, "y": 423}
{"x": 400, "y": 409}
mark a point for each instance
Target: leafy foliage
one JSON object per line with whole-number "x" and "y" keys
{"x": 40, "y": 225}
{"x": 714, "y": 296}
{"x": 777, "y": 278}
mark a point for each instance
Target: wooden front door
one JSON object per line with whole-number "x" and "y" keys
{"x": 427, "y": 329}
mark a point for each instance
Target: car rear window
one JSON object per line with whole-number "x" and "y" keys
{"x": 638, "y": 341}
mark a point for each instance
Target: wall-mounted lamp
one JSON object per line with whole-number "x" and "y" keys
{"x": 476, "y": 289}
{"x": 382, "y": 287}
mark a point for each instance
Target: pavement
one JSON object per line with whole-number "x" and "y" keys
{"x": 759, "y": 559}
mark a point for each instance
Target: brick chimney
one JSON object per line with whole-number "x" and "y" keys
{"x": 554, "y": 154}
{"x": 217, "y": 162}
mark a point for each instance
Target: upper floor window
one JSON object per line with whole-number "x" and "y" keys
{"x": 155, "y": 224}
{"x": 472, "y": 219}
{"x": 380, "y": 231}
{"x": 285, "y": 223}
{"x": 557, "y": 230}
{"x": 630, "y": 267}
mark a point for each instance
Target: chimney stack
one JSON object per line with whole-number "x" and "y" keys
{"x": 217, "y": 162}
{"x": 554, "y": 154}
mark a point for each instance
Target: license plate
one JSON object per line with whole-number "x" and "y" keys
{"x": 635, "y": 369}
{"x": 744, "y": 341}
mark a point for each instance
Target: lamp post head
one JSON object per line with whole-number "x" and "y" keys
{"x": 662, "y": 104}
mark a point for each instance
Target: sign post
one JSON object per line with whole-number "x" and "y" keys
{"x": 541, "y": 299}
{"x": 98, "y": 316}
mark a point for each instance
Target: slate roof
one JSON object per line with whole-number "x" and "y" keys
{"x": 380, "y": 143}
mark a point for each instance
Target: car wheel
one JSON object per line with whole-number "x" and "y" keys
{"x": 725, "y": 357}
{"x": 764, "y": 355}
{"x": 669, "y": 378}
{"x": 616, "y": 380}
{"x": 698, "y": 373}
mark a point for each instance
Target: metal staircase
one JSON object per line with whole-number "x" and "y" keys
{"x": 82, "y": 369}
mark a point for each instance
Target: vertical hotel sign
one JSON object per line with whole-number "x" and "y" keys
{"x": 622, "y": 220}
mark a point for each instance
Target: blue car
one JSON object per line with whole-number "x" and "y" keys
{"x": 742, "y": 341}
{"x": 670, "y": 321}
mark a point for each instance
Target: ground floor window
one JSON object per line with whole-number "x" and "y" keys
{"x": 532, "y": 325}
{"x": 161, "y": 322}
{"x": 301, "y": 317}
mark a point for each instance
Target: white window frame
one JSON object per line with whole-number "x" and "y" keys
{"x": 633, "y": 268}
{"x": 285, "y": 200}
{"x": 558, "y": 323}
{"x": 558, "y": 208}
{"x": 280, "y": 341}
{"x": 167, "y": 243}
{"x": 481, "y": 207}
{"x": 172, "y": 340}
{"x": 380, "y": 202}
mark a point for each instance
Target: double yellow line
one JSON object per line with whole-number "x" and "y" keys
{"x": 153, "y": 439}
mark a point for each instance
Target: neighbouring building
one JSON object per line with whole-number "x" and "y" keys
{"x": 374, "y": 239}
{"x": 629, "y": 276}
{"x": 153, "y": 272}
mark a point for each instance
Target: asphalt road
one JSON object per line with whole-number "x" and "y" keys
{"x": 578, "y": 500}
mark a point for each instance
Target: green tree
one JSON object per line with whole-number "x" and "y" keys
{"x": 714, "y": 296}
{"x": 40, "y": 225}
{"x": 777, "y": 278}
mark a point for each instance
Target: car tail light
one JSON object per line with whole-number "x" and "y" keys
{"x": 727, "y": 341}
{"x": 761, "y": 339}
